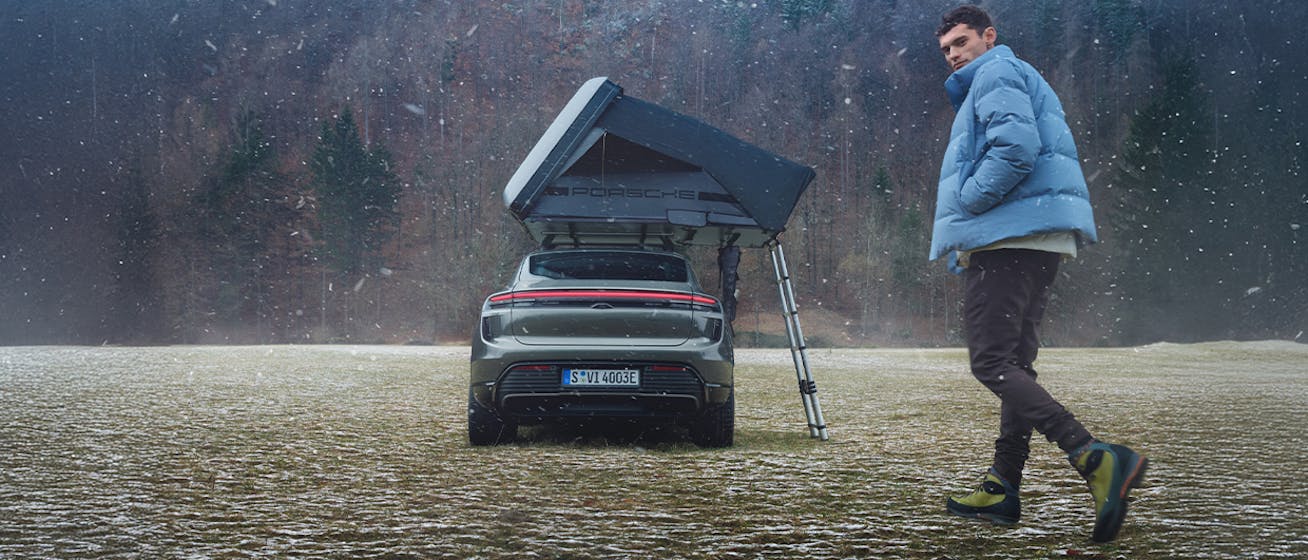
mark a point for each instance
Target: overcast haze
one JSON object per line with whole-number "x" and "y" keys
{"x": 135, "y": 212}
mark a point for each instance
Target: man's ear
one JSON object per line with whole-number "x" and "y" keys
{"x": 988, "y": 37}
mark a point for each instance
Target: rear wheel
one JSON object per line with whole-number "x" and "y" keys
{"x": 485, "y": 427}
{"x": 716, "y": 427}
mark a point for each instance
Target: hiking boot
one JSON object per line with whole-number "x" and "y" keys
{"x": 1111, "y": 471}
{"x": 995, "y": 501}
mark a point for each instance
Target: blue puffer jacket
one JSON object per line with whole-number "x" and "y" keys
{"x": 1011, "y": 168}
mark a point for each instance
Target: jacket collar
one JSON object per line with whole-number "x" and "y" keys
{"x": 958, "y": 83}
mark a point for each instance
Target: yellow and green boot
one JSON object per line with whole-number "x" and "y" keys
{"x": 995, "y": 501}
{"x": 1111, "y": 471}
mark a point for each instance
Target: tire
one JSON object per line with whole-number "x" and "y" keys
{"x": 716, "y": 427}
{"x": 485, "y": 427}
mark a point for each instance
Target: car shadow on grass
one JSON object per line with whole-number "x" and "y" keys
{"x": 656, "y": 436}
{"x": 609, "y": 433}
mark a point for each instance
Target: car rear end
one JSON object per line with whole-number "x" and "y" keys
{"x": 600, "y": 333}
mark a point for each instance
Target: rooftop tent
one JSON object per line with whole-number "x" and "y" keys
{"x": 613, "y": 169}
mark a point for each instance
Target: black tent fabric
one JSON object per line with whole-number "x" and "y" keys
{"x": 613, "y": 169}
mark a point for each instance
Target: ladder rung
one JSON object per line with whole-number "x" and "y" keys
{"x": 798, "y": 346}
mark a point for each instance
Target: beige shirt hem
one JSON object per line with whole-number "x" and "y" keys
{"x": 1062, "y": 242}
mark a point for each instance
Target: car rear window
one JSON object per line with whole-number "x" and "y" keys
{"x": 599, "y": 265}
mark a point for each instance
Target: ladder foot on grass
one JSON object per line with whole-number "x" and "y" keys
{"x": 817, "y": 427}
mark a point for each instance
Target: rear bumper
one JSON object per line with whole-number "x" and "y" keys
{"x": 530, "y": 396}
{"x": 531, "y": 408}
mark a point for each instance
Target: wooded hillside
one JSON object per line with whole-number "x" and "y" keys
{"x": 282, "y": 171}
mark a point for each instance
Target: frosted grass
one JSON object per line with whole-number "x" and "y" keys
{"x": 360, "y": 452}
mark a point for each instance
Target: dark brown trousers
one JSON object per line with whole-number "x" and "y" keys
{"x": 1007, "y": 291}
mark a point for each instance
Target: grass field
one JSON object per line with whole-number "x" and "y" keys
{"x": 360, "y": 452}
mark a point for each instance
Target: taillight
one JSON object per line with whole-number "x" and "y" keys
{"x": 627, "y": 295}
{"x": 532, "y": 368}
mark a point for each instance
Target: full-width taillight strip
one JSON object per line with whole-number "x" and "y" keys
{"x": 603, "y": 294}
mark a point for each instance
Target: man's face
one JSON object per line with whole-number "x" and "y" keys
{"x": 962, "y": 44}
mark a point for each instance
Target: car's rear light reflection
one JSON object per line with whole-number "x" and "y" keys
{"x": 637, "y": 295}
{"x": 533, "y": 367}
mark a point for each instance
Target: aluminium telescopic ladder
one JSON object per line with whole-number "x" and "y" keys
{"x": 817, "y": 427}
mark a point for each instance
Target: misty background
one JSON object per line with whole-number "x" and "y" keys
{"x": 282, "y": 171}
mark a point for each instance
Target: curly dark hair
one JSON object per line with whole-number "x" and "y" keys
{"x": 969, "y": 15}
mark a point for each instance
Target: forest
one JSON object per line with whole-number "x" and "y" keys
{"x": 296, "y": 171}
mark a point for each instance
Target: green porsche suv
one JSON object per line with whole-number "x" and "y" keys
{"x": 597, "y": 334}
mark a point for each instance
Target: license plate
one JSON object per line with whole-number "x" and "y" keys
{"x": 601, "y": 378}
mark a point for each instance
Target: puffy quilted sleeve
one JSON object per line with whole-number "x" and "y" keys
{"x": 1004, "y": 111}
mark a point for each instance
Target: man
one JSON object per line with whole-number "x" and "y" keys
{"x": 1013, "y": 202}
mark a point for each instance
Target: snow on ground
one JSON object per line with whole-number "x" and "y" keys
{"x": 360, "y": 452}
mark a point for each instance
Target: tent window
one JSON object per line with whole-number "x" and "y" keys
{"x": 614, "y": 154}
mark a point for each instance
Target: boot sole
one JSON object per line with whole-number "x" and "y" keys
{"x": 989, "y": 517}
{"x": 997, "y": 520}
{"x": 992, "y": 519}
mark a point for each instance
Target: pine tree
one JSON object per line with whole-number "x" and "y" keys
{"x": 357, "y": 204}
{"x": 1168, "y": 198}
{"x": 241, "y": 210}
{"x": 357, "y": 194}
{"x": 1118, "y": 21}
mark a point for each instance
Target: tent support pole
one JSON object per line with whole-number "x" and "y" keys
{"x": 817, "y": 427}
